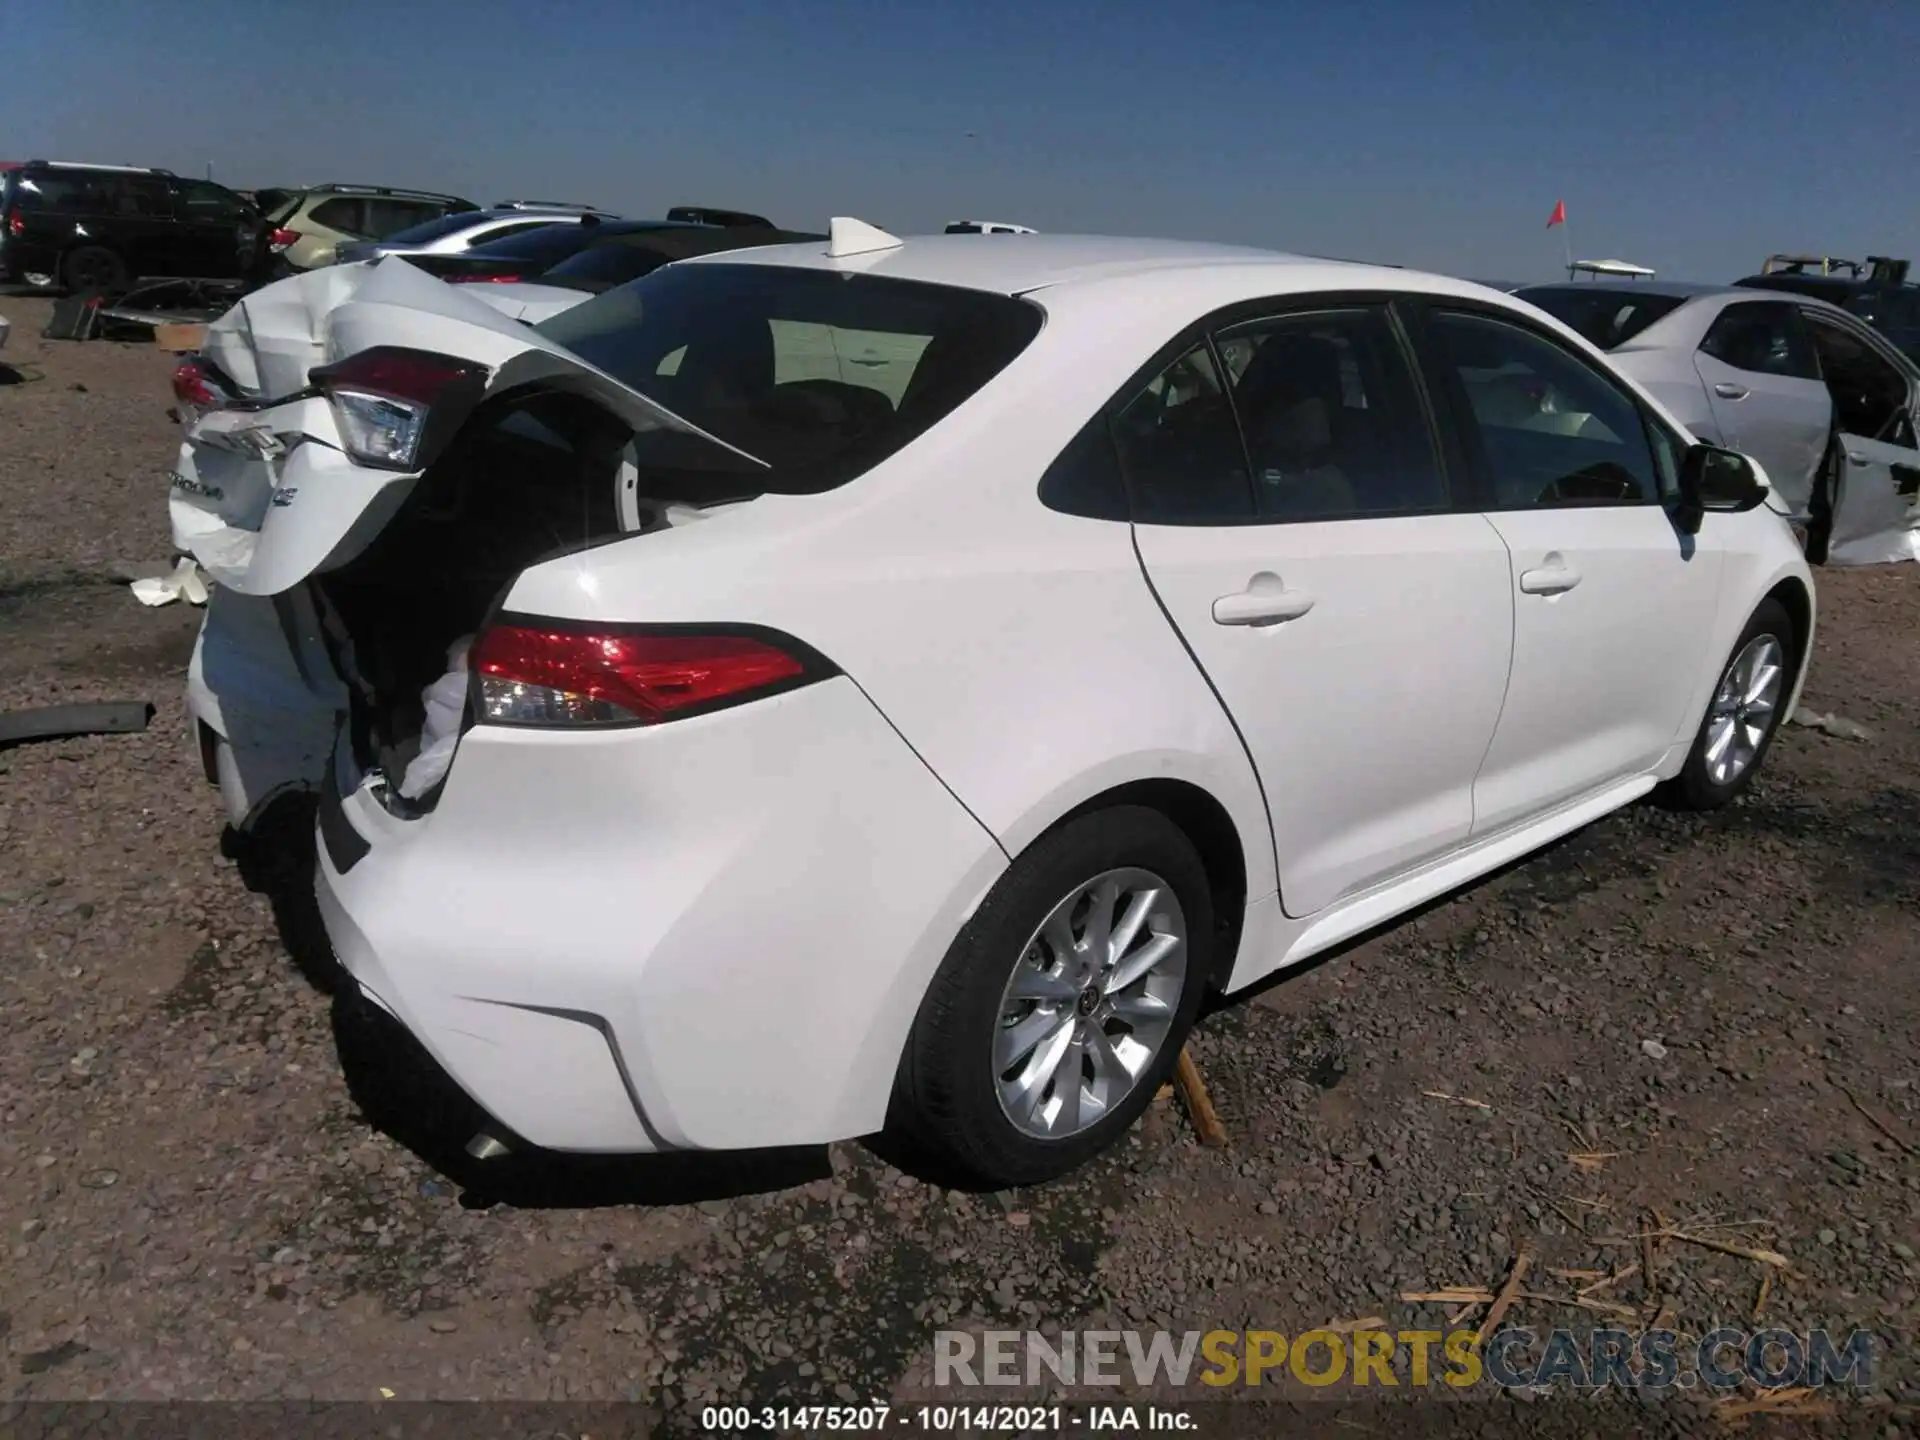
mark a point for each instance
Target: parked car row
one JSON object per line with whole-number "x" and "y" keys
{"x": 101, "y": 228}
{"x": 816, "y": 688}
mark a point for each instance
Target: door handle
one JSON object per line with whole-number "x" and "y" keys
{"x": 1726, "y": 390}
{"x": 1854, "y": 457}
{"x": 1265, "y": 601}
{"x": 1556, "y": 577}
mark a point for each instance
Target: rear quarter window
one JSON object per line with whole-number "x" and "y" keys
{"x": 1605, "y": 319}
{"x": 343, "y": 213}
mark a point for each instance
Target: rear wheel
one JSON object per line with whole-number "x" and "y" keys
{"x": 94, "y": 270}
{"x": 1743, "y": 716}
{"x": 1064, "y": 1003}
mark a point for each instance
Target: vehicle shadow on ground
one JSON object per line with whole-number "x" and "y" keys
{"x": 405, "y": 1095}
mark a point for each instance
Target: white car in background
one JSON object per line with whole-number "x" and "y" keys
{"x": 1821, "y": 399}
{"x": 876, "y": 682}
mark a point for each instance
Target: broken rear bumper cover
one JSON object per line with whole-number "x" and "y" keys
{"x": 689, "y": 935}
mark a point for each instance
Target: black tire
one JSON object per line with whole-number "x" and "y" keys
{"x": 945, "y": 1096}
{"x": 93, "y": 270}
{"x": 1695, "y": 788}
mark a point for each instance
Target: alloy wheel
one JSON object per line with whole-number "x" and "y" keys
{"x": 1744, "y": 709}
{"x": 1090, "y": 1003}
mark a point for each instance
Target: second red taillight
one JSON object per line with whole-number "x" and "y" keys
{"x": 485, "y": 279}
{"x": 553, "y": 674}
{"x": 17, "y": 223}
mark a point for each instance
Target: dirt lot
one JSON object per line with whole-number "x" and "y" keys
{"x": 1718, "y": 1015}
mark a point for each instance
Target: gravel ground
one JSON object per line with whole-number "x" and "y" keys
{"x": 205, "y": 1193}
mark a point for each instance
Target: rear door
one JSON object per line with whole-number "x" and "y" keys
{"x": 1355, "y": 624}
{"x": 1763, "y": 382}
{"x": 1611, "y": 603}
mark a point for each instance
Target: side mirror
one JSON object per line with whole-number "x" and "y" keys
{"x": 1716, "y": 479}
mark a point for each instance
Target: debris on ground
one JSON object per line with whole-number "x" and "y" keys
{"x": 1833, "y": 724}
{"x": 184, "y": 583}
{"x": 62, "y": 722}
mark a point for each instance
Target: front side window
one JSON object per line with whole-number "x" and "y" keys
{"x": 1332, "y": 422}
{"x": 1762, "y": 338}
{"x": 1551, "y": 430}
{"x": 820, "y": 375}
{"x": 1179, "y": 450}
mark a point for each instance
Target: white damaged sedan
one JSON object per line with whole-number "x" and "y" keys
{"x": 892, "y": 682}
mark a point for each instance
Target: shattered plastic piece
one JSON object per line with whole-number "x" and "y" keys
{"x": 1834, "y": 724}
{"x": 446, "y": 703}
{"x": 183, "y": 584}
{"x": 60, "y": 722}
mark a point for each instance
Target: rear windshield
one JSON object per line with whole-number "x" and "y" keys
{"x": 820, "y": 374}
{"x": 1607, "y": 319}
{"x": 544, "y": 245}
{"x": 431, "y": 229}
{"x": 604, "y": 266}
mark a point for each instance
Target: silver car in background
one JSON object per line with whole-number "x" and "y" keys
{"x": 1820, "y": 399}
{"x": 459, "y": 233}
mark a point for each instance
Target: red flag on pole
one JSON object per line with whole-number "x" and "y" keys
{"x": 1559, "y": 216}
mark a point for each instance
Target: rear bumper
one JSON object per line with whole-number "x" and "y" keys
{"x": 712, "y": 934}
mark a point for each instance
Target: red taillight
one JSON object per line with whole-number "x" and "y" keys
{"x": 485, "y": 279}
{"x": 383, "y": 399}
{"x": 17, "y": 223}
{"x": 279, "y": 240}
{"x": 192, "y": 386}
{"x": 534, "y": 674}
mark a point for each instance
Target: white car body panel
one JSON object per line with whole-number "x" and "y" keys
{"x": 1875, "y": 524}
{"x": 529, "y": 302}
{"x": 1369, "y": 714}
{"x": 668, "y": 936}
{"x": 1592, "y": 700}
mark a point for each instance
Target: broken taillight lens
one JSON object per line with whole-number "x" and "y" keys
{"x": 555, "y": 675}
{"x": 197, "y": 390}
{"x": 384, "y": 400}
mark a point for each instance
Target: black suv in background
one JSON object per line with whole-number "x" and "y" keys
{"x": 1882, "y": 297}
{"x": 101, "y": 227}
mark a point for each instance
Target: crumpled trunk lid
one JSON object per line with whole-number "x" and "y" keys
{"x": 264, "y": 494}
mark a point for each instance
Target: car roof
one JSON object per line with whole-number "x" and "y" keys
{"x": 1665, "y": 289}
{"x": 1019, "y": 264}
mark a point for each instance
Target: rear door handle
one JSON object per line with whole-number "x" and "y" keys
{"x": 1728, "y": 391}
{"x": 1556, "y": 577}
{"x": 1854, "y": 457}
{"x": 1265, "y": 601}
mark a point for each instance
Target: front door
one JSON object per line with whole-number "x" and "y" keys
{"x": 1876, "y": 500}
{"x": 1612, "y": 604}
{"x": 1355, "y": 625}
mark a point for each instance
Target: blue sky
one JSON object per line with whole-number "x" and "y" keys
{"x": 1695, "y": 136}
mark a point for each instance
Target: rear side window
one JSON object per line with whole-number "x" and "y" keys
{"x": 1332, "y": 422}
{"x": 343, "y": 213}
{"x": 1763, "y": 337}
{"x": 384, "y": 217}
{"x": 820, "y": 375}
{"x": 1605, "y": 319}
{"x": 142, "y": 197}
{"x": 65, "y": 192}
{"x": 202, "y": 200}
{"x": 1551, "y": 430}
